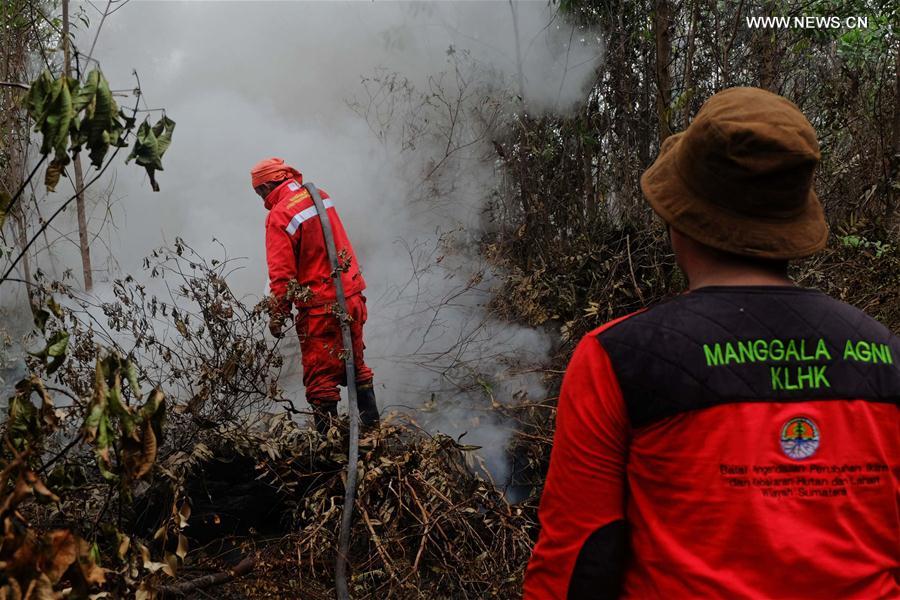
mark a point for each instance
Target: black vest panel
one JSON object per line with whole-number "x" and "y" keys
{"x": 720, "y": 345}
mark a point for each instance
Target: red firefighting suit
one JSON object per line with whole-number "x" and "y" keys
{"x": 295, "y": 251}
{"x": 734, "y": 442}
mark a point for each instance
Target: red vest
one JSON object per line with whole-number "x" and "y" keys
{"x": 295, "y": 247}
{"x": 734, "y": 442}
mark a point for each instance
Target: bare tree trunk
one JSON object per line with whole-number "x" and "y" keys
{"x": 726, "y": 67}
{"x": 624, "y": 98}
{"x": 768, "y": 57}
{"x": 83, "y": 235}
{"x": 587, "y": 164}
{"x": 14, "y": 180}
{"x": 689, "y": 65}
{"x": 22, "y": 240}
{"x": 661, "y": 20}
{"x": 14, "y": 133}
{"x": 891, "y": 217}
{"x": 765, "y": 46}
{"x": 520, "y": 74}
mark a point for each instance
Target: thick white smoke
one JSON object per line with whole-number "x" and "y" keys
{"x": 248, "y": 80}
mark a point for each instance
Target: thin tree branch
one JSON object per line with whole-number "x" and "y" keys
{"x": 18, "y": 194}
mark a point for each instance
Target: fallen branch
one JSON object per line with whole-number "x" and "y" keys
{"x": 186, "y": 587}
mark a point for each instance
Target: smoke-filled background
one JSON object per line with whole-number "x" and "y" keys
{"x": 486, "y": 159}
{"x": 387, "y": 106}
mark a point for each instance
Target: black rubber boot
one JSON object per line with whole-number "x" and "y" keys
{"x": 368, "y": 408}
{"x": 323, "y": 415}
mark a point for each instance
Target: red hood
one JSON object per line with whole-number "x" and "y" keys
{"x": 281, "y": 192}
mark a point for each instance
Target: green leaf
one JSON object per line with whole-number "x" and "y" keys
{"x": 852, "y": 241}
{"x": 92, "y": 421}
{"x": 145, "y": 152}
{"x": 131, "y": 370}
{"x": 59, "y": 118}
{"x": 150, "y": 145}
{"x": 85, "y": 94}
{"x": 40, "y": 319}
{"x": 68, "y": 113}
{"x": 97, "y": 406}
{"x": 102, "y": 447}
{"x": 102, "y": 125}
{"x": 23, "y": 423}
{"x": 120, "y": 410}
{"x": 58, "y": 344}
{"x": 49, "y": 104}
{"x": 155, "y": 407}
{"x": 95, "y": 553}
{"x": 163, "y": 131}
{"x": 37, "y": 98}
{"x": 55, "y": 350}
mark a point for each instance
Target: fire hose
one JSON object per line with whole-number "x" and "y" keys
{"x": 340, "y": 567}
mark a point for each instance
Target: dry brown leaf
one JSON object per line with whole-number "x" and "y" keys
{"x": 19, "y": 493}
{"x": 139, "y": 456}
{"x": 184, "y": 513}
{"x": 93, "y": 573}
{"x": 171, "y": 564}
{"x": 64, "y": 550}
{"x": 145, "y": 593}
{"x": 47, "y": 411}
{"x": 41, "y": 589}
{"x": 160, "y": 533}
{"x": 145, "y": 554}
{"x": 124, "y": 544}
{"x": 182, "y": 549}
{"x": 11, "y": 591}
{"x": 148, "y": 449}
{"x": 147, "y": 562}
{"x": 39, "y": 488}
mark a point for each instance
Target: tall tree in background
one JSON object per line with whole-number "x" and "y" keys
{"x": 662, "y": 22}
{"x": 23, "y": 37}
{"x": 83, "y": 234}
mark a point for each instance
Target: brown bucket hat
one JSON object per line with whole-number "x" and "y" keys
{"x": 739, "y": 178}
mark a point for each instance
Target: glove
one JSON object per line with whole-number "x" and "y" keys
{"x": 279, "y": 312}
{"x": 276, "y": 324}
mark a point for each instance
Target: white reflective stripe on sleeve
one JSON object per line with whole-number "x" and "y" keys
{"x": 305, "y": 214}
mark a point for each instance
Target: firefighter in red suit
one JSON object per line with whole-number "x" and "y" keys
{"x": 300, "y": 276}
{"x": 740, "y": 440}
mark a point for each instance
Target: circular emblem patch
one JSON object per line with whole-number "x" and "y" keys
{"x": 799, "y": 438}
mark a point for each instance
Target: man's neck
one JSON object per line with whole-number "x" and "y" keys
{"x": 736, "y": 277}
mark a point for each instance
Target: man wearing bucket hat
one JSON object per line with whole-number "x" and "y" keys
{"x": 740, "y": 440}
{"x": 300, "y": 275}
